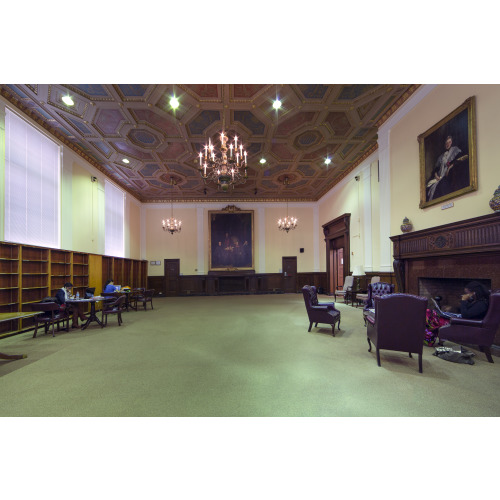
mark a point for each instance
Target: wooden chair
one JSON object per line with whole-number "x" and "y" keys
{"x": 112, "y": 307}
{"x": 348, "y": 283}
{"x": 146, "y": 297}
{"x": 398, "y": 325}
{"x": 134, "y": 295}
{"x": 52, "y": 315}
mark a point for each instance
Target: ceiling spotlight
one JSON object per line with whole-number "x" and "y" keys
{"x": 327, "y": 161}
{"x": 277, "y": 104}
{"x": 125, "y": 160}
{"x": 262, "y": 161}
{"x": 68, "y": 101}
{"x": 174, "y": 102}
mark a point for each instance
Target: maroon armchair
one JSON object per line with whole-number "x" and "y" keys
{"x": 398, "y": 325}
{"x": 475, "y": 332}
{"x": 378, "y": 289}
{"x": 320, "y": 313}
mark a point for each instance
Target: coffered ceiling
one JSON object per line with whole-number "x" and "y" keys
{"x": 110, "y": 123}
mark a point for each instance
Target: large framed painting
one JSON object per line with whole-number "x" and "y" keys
{"x": 231, "y": 239}
{"x": 448, "y": 156}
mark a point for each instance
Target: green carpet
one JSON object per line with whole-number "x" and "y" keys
{"x": 234, "y": 356}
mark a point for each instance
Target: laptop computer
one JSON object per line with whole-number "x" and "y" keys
{"x": 443, "y": 313}
{"x": 118, "y": 288}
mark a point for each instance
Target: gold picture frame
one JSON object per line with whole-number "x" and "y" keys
{"x": 231, "y": 239}
{"x": 447, "y": 151}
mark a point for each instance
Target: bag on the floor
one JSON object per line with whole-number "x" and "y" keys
{"x": 457, "y": 355}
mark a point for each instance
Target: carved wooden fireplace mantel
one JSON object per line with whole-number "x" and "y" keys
{"x": 468, "y": 249}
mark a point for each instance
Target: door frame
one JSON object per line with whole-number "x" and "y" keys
{"x": 337, "y": 228}
{"x": 294, "y": 258}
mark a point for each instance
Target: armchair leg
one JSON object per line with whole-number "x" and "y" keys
{"x": 409, "y": 355}
{"x": 369, "y": 344}
{"x": 420, "y": 363}
{"x": 316, "y": 325}
{"x": 338, "y": 325}
{"x": 378, "y": 357}
{"x": 310, "y": 326}
{"x": 487, "y": 351}
{"x": 333, "y": 330}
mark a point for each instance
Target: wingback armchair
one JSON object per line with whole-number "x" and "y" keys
{"x": 475, "y": 332}
{"x": 398, "y": 325}
{"x": 378, "y": 289}
{"x": 363, "y": 297}
{"x": 319, "y": 313}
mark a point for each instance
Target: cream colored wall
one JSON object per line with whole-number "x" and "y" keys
{"x": 281, "y": 244}
{"x": 83, "y": 206}
{"x": 194, "y": 237}
{"x": 132, "y": 228}
{"x": 163, "y": 245}
{"x": 404, "y": 156}
{"x": 346, "y": 197}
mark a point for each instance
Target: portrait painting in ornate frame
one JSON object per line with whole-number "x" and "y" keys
{"x": 231, "y": 241}
{"x": 448, "y": 156}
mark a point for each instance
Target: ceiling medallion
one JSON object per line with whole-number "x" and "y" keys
{"x": 287, "y": 223}
{"x": 224, "y": 170}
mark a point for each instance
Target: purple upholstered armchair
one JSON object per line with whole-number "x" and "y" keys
{"x": 320, "y": 313}
{"x": 378, "y": 289}
{"x": 398, "y": 325}
{"x": 475, "y": 332}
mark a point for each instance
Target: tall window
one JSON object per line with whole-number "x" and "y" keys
{"x": 32, "y": 184}
{"x": 114, "y": 220}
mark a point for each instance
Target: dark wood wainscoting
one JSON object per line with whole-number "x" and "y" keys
{"x": 224, "y": 283}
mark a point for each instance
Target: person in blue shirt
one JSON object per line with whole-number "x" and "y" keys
{"x": 109, "y": 287}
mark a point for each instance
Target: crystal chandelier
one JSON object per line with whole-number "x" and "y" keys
{"x": 223, "y": 168}
{"x": 287, "y": 223}
{"x": 172, "y": 225}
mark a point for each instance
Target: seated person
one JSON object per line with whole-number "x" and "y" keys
{"x": 475, "y": 301}
{"x": 109, "y": 287}
{"x": 474, "y": 304}
{"x": 62, "y": 296}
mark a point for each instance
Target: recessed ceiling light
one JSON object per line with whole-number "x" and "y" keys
{"x": 262, "y": 161}
{"x": 277, "y": 104}
{"x": 174, "y": 102}
{"x": 68, "y": 101}
{"x": 327, "y": 161}
{"x": 125, "y": 160}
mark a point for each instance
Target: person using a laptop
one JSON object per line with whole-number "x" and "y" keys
{"x": 474, "y": 303}
{"x": 110, "y": 287}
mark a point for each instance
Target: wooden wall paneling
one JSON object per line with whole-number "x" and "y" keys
{"x": 118, "y": 271}
{"x": 95, "y": 272}
{"x": 156, "y": 283}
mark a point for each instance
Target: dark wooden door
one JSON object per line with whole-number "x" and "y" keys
{"x": 172, "y": 269}
{"x": 289, "y": 274}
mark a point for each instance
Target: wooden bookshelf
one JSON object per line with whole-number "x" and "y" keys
{"x": 28, "y": 274}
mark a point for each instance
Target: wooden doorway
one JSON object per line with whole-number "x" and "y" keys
{"x": 289, "y": 274}
{"x": 172, "y": 270}
{"x": 337, "y": 251}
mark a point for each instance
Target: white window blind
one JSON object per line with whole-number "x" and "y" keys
{"x": 114, "y": 220}
{"x": 32, "y": 184}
